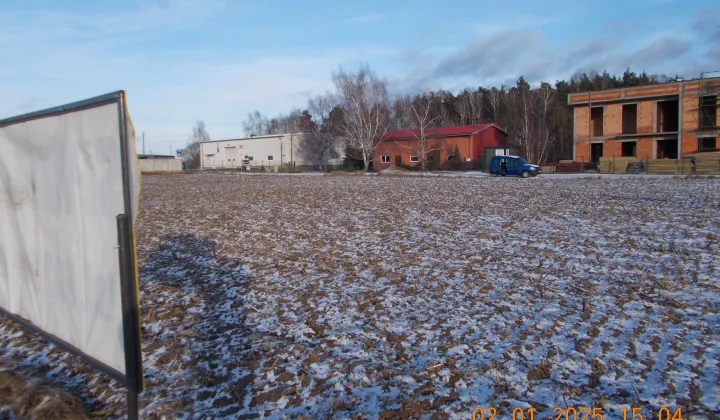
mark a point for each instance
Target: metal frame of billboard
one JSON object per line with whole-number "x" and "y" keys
{"x": 133, "y": 376}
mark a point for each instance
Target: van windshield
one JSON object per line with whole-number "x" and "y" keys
{"x": 522, "y": 161}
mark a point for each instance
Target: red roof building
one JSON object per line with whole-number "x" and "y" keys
{"x": 400, "y": 147}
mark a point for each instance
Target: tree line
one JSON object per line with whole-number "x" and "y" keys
{"x": 351, "y": 118}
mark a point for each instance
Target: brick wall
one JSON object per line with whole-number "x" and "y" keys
{"x": 645, "y": 148}
{"x": 582, "y": 151}
{"x": 646, "y": 117}
{"x": 612, "y": 148}
{"x": 581, "y": 122}
{"x": 689, "y": 144}
{"x": 690, "y": 105}
{"x": 612, "y": 116}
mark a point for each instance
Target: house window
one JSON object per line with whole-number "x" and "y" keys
{"x": 385, "y": 159}
{"x": 708, "y": 112}
{"x": 596, "y": 121}
{"x": 413, "y": 158}
{"x": 629, "y": 119}
{"x": 270, "y": 158}
{"x": 667, "y": 116}
{"x": 706, "y": 143}
{"x": 628, "y": 148}
{"x": 248, "y": 157}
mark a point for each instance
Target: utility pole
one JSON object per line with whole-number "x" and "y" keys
{"x": 143, "y": 142}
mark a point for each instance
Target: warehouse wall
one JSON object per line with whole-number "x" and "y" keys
{"x": 283, "y": 148}
{"x": 160, "y": 165}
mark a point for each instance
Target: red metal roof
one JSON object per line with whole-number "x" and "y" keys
{"x": 452, "y": 131}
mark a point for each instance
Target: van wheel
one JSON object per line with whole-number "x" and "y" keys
{"x": 526, "y": 174}
{"x": 493, "y": 173}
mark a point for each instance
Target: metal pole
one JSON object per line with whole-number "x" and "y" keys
{"x": 131, "y": 317}
{"x": 132, "y": 404}
{"x": 590, "y": 122}
{"x": 143, "y": 142}
{"x": 680, "y": 113}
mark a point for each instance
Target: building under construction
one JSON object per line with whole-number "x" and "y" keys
{"x": 665, "y": 121}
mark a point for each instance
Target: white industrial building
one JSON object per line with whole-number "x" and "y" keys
{"x": 159, "y": 163}
{"x": 272, "y": 152}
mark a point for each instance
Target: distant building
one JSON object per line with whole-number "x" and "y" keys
{"x": 159, "y": 163}
{"x": 475, "y": 144}
{"x": 267, "y": 151}
{"x": 649, "y": 122}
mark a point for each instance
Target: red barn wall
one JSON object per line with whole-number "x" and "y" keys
{"x": 469, "y": 146}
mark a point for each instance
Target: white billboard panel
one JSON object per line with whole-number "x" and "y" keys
{"x": 64, "y": 178}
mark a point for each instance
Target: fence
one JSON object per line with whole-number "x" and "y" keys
{"x": 567, "y": 167}
{"x": 701, "y": 163}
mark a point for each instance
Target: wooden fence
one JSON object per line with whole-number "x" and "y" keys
{"x": 699, "y": 163}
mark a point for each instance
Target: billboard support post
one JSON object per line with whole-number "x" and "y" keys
{"x": 130, "y": 315}
{"x": 128, "y": 281}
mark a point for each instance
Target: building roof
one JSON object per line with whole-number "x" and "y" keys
{"x": 452, "y": 131}
{"x": 141, "y": 156}
{"x": 264, "y": 136}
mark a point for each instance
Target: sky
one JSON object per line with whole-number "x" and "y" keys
{"x": 218, "y": 60}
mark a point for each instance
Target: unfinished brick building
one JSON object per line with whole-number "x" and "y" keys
{"x": 669, "y": 120}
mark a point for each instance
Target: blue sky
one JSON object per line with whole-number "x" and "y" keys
{"x": 218, "y": 60}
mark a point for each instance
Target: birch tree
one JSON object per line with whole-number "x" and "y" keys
{"x": 364, "y": 101}
{"x": 463, "y": 107}
{"x": 419, "y": 111}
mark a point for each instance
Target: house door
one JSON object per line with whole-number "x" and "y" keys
{"x": 209, "y": 161}
{"x": 231, "y": 156}
{"x": 596, "y": 152}
{"x": 398, "y": 161}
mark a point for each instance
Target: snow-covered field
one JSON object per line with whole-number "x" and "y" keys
{"x": 417, "y": 297}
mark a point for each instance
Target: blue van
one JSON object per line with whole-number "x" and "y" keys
{"x": 513, "y": 166}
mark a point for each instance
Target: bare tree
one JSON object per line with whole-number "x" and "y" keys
{"x": 320, "y": 143}
{"x": 547, "y": 135}
{"x": 255, "y": 124}
{"x": 401, "y": 117}
{"x": 495, "y": 99}
{"x": 364, "y": 100}
{"x": 463, "y": 107}
{"x": 191, "y": 153}
{"x": 534, "y": 133}
{"x": 476, "y": 100}
{"x": 420, "y": 111}
{"x": 289, "y": 123}
{"x": 525, "y": 128}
